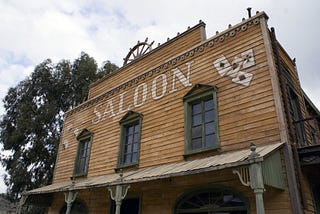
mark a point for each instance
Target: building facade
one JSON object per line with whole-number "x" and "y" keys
{"x": 195, "y": 125}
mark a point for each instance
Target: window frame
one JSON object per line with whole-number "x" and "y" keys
{"x": 128, "y": 120}
{"x": 199, "y": 92}
{"x": 82, "y": 138}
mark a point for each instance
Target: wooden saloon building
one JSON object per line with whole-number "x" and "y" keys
{"x": 195, "y": 125}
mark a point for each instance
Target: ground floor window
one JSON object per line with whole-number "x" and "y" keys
{"x": 211, "y": 201}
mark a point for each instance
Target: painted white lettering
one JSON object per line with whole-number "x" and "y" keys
{"x": 184, "y": 80}
{"x": 98, "y": 114}
{"x": 109, "y": 109}
{"x": 154, "y": 86}
{"x": 121, "y": 104}
{"x": 144, "y": 95}
{"x": 158, "y": 90}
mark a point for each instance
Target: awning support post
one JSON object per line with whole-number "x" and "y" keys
{"x": 70, "y": 197}
{"x": 255, "y": 180}
{"x": 119, "y": 194}
{"x": 256, "y": 183}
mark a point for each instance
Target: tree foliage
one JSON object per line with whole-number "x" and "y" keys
{"x": 34, "y": 110}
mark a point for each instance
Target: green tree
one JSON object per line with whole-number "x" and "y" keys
{"x": 31, "y": 126}
{"x": 107, "y": 68}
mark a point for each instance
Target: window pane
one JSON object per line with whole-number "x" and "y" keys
{"x": 87, "y": 148}
{"x": 196, "y": 108}
{"x": 137, "y": 128}
{"x": 209, "y": 140}
{"x": 82, "y": 147}
{"x": 196, "y": 132}
{"x": 85, "y": 165}
{"x": 83, "y": 151}
{"x": 196, "y": 119}
{"x": 196, "y": 143}
{"x": 136, "y": 138}
{"x": 208, "y": 105}
{"x": 208, "y": 116}
{"x": 81, "y": 154}
{"x": 127, "y": 158}
{"x": 135, "y": 147}
{"x": 134, "y": 157}
{"x": 130, "y": 130}
{"x": 129, "y": 139}
{"x": 127, "y": 148}
{"x": 81, "y": 165}
{"x": 209, "y": 128}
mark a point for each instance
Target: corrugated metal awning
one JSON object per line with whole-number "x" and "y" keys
{"x": 216, "y": 162}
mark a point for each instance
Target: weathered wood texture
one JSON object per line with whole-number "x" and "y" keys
{"x": 309, "y": 208}
{"x": 156, "y": 199}
{"x": 246, "y": 114}
{"x": 180, "y": 43}
{"x": 290, "y": 78}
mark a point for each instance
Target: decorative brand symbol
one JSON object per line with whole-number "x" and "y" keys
{"x": 234, "y": 68}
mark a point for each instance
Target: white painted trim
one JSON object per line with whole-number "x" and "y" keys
{"x": 288, "y": 157}
{"x": 274, "y": 81}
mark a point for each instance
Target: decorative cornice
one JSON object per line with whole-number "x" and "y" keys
{"x": 218, "y": 38}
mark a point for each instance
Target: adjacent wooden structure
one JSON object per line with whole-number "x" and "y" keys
{"x": 171, "y": 131}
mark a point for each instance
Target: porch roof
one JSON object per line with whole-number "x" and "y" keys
{"x": 216, "y": 162}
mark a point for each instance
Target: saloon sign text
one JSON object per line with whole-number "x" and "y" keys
{"x": 159, "y": 87}
{"x": 108, "y": 109}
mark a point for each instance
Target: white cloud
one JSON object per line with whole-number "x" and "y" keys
{"x": 11, "y": 74}
{"x": 3, "y": 187}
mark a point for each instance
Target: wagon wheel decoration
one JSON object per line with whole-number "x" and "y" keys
{"x": 138, "y": 50}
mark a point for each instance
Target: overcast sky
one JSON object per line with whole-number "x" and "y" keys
{"x": 34, "y": 30}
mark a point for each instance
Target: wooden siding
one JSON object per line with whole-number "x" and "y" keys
{"x": 180, "y": 43}
{"x": 246, "y": 114}
{"x": 290, "y": 78}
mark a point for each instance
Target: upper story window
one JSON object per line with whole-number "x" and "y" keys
{"x": 130, "y": 135}
{"x": 83, "y": 153}
{"x": 201, "y": 119}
